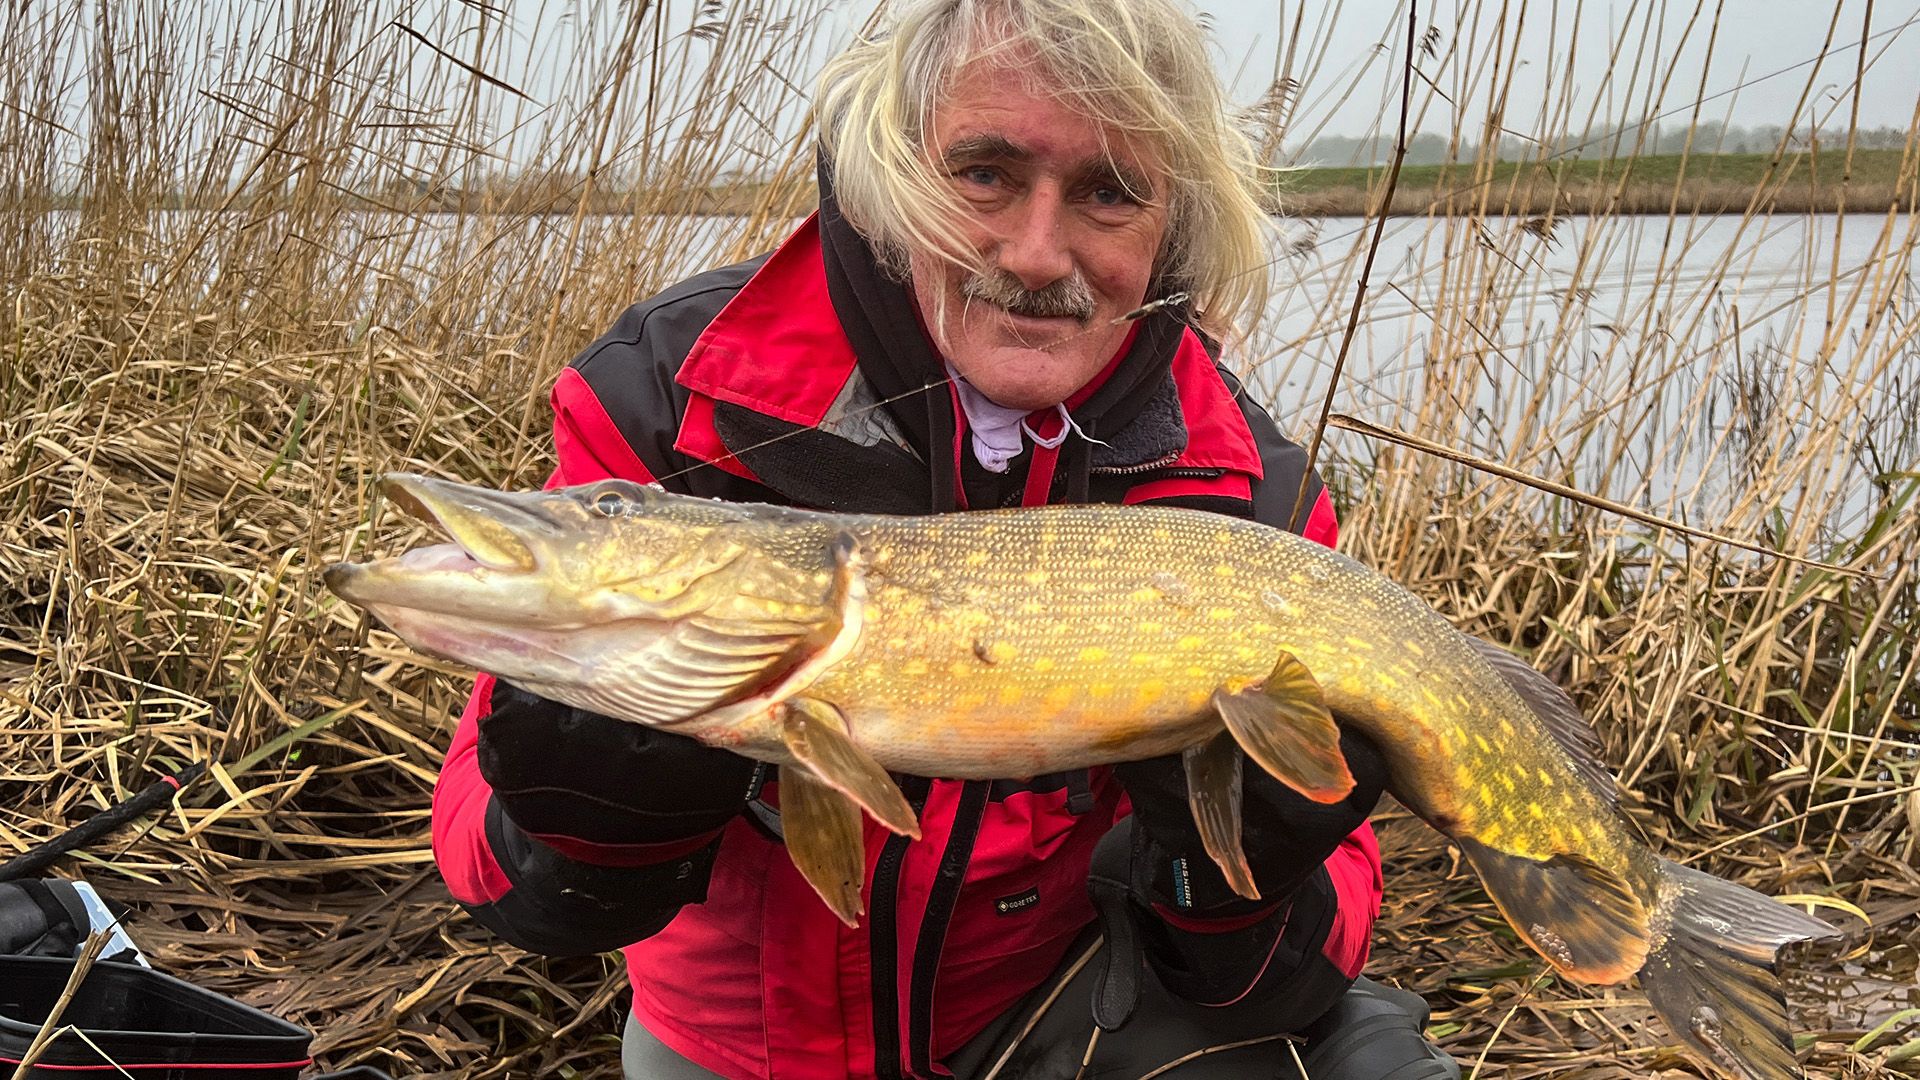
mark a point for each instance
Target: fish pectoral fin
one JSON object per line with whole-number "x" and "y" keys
{"x": 816, "y": 735}
{"x": 1213, "y": 792}
{"x": 1285, "y": 727}
{"x": 822, "y": 831}
{"x": 1584, "y": 918}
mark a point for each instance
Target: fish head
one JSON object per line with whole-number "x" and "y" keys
{"x": 541, "y": 583}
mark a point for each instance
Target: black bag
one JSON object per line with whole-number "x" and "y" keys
{"x": 153, "y": 1025}
{"x": 143, "y": 1021}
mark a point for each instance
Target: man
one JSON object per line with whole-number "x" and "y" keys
{"x": 1005, "y": 184}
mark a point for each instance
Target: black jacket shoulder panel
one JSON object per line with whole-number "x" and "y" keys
{"x": 1284, "y": 460}
{"x": 631, "y": 370}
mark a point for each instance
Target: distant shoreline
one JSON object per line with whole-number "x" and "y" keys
{"x": 1708, "y": 184}
{"x": 1652, "y": 185}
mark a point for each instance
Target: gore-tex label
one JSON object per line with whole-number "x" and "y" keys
{"x": 1013, "y": 905}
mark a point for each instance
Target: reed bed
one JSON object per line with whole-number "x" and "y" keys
{"x": 193, "y": 403}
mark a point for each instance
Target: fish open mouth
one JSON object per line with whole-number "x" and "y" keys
{"x": 484, "y": 525}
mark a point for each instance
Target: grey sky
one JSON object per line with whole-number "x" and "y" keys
{"x": 1754, "y": 38}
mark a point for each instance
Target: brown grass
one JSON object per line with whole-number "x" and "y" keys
{"x": 192, "y": 405}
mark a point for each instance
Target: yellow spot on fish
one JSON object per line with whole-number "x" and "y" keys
{"x": 1195, "y": 671}
{"x": 1413, "y": 648}
{"x": 1035, "y": 577}
{"x": 1221, "y": 614}
{"x": 977, "y": 558}
{"x": 1059, "y": 697}
{"x": 1011, "y": 694}
{"x": 1191, "y": 643}
{"x": 1000, "y": 652}
{"x": 1506, "y": 727}
{"x": 1433, "y": 699}
{"x": 1546, "y": 778}
{"x": 1223, "y": 570}
{"x": 1149, "y": 692}
{"x": 1486, "y": 796}
{"x": 969, "y": 701}
{"x": 1481, "y": 742}
{"x": 1386, "y": 680}
{"x": 1490, "y": 832}
{"x": 1507, "y": 782}
{"x": 914, "y": 667}
{"x": 1044, "y": 664}
{"x": 1101, "y": 690}
{"x": 1222, "y": 536}
{"x": 1145, "y": 595}
{"x": 1578, "y": 834}
{"x": 1150, "y": 628}
{"x": 1539, "y": 812}
{"x": 1093, "y": 654}
{"x": 960, "y": 669}
{"x": 1507, "y": 812}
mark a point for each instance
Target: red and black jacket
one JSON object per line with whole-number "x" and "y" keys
{"x": 792, "y": 379}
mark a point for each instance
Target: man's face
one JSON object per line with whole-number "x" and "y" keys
{"x": 1066, "y": 226}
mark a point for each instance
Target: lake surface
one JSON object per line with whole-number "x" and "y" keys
{"x": 1713, "y": 368}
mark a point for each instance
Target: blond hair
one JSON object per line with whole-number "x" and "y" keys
{"x": 1134, "y": 66}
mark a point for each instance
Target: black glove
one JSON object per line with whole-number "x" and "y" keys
{"x": 1286, "y": 835}
{"x": 558, "y": 770}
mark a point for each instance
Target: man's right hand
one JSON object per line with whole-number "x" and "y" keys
{"x": 560, "y": 771}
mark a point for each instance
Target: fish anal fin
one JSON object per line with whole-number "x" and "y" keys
{"x": 1714, "y": 977}
{"x": 823, "y": 835}
{"x": 1584, "y": 918}
{"x": 1213, "y": 793}
{"x": 1284, "y": 725}
{"x": 815, "y": 734}
{"x": 1563, "y": 719}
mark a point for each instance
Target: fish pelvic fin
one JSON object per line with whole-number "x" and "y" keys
{"x": 1213, "y": 793}
{"x": 815, "y": 733}
{"x": 1284, "y": 725}
{"x": 823, "y": 835}
{"x": 1585, "y": 919}
{"x": 1715, "y": 978}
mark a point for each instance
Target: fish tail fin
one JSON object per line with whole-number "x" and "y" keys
{"x": 1714, "y": 977}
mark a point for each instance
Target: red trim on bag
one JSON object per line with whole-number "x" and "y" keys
{"x": 1233, "y": 485}
{"x": 622, "y": 855}
{"x": 131, "y": 1065}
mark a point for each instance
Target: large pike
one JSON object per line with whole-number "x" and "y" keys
{"x": 1012, "y": 643}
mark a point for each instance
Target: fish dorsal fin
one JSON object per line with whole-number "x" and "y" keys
{"x": 1558, "y": 714}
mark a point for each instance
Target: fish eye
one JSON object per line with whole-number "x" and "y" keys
{"x": 610, "y": 503}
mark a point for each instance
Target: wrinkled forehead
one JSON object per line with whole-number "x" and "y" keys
{"x": 975, "y": 107}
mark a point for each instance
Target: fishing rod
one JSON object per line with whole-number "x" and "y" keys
{"x": 34, "y": 860}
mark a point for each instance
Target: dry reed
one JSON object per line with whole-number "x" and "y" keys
{"x": 194, "y": 402}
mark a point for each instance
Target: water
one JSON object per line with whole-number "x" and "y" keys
{"x": 1713, "y": 369}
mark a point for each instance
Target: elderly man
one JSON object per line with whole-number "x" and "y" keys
{"x": 1005, "y": 186}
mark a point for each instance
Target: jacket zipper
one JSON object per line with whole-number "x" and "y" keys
{"x": 883, "y": 942}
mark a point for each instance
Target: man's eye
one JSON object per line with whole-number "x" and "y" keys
{"x": 1112, "y": 195}
{"x": 979, "y": 174}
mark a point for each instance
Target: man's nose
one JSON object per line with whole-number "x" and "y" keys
{"x": 1035, "y": 247}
